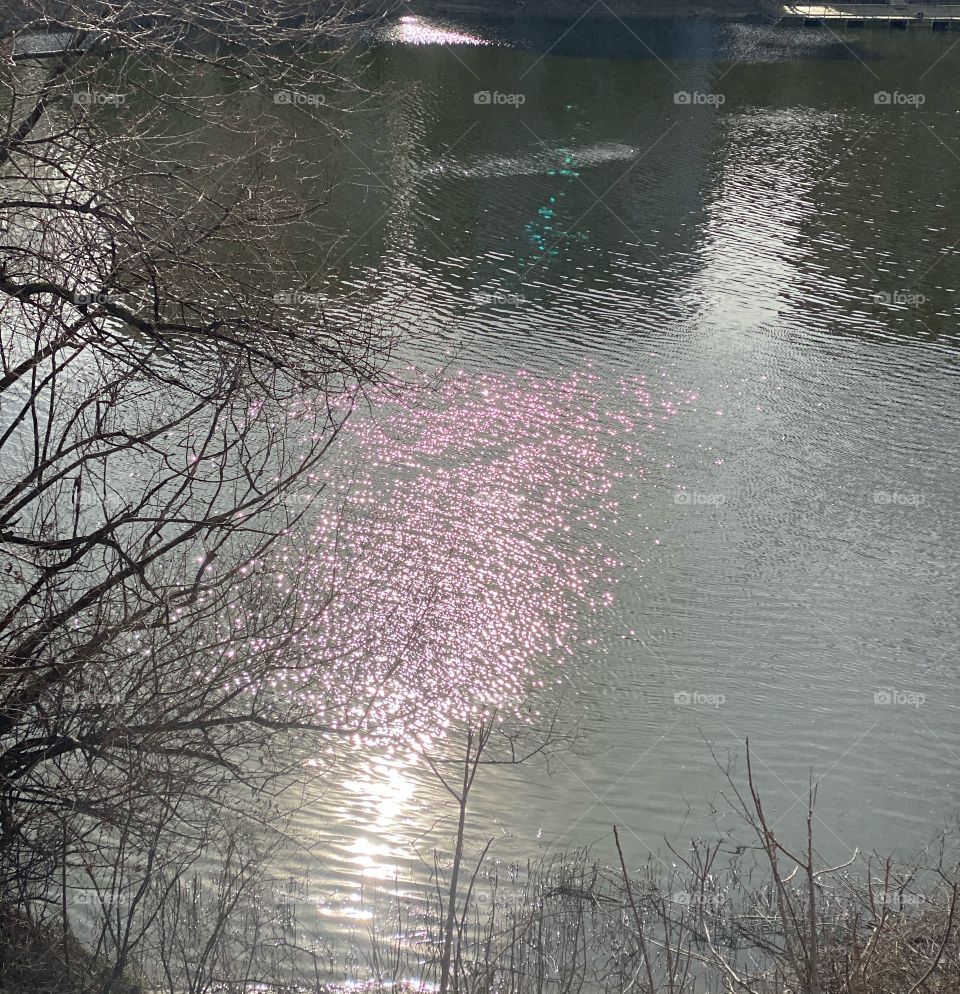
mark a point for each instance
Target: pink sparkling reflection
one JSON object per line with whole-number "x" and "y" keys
{"x": 467, "y": 546}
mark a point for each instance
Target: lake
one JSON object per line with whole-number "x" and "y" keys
{"x": 680, "y": 438}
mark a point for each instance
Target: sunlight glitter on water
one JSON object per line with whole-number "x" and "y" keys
{"x": 413, "y": 30}
{"x": 459, "y": 558}
{"x": 462, "y": 546}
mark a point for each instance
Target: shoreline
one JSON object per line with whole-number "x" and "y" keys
{"x": 573, "y": 10}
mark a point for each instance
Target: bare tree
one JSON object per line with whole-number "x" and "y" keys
{"x": 489, "y": 737}
{"x": 169, "y": 385}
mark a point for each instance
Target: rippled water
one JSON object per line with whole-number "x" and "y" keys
{"x": 693, "y": 453}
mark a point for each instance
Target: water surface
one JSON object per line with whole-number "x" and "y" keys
{"x": 693, "y": 455}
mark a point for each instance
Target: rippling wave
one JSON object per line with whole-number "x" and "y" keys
{"x": 543, "y": 162}
{"x": 780, "y": 267}
{"x": 469, "y": 541}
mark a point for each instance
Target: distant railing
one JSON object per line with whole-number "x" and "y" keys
{"x": 875, "y": 8}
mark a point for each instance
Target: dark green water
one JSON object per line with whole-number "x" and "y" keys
{"x": 697, "y": 445}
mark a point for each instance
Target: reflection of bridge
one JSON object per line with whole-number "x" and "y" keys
{"x": 933, "y": 15}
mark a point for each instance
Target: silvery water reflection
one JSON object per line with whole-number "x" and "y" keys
{"x": 472, "y": 535}
{"x": 776, "y": 558}
{"x": 466, "y": 567}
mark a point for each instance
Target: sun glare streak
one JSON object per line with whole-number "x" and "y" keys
{"x": 413, "y": 30}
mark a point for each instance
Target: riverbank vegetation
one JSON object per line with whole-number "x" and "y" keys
{"x": 751, "y": 916}
{"x": 746, "y": 913}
